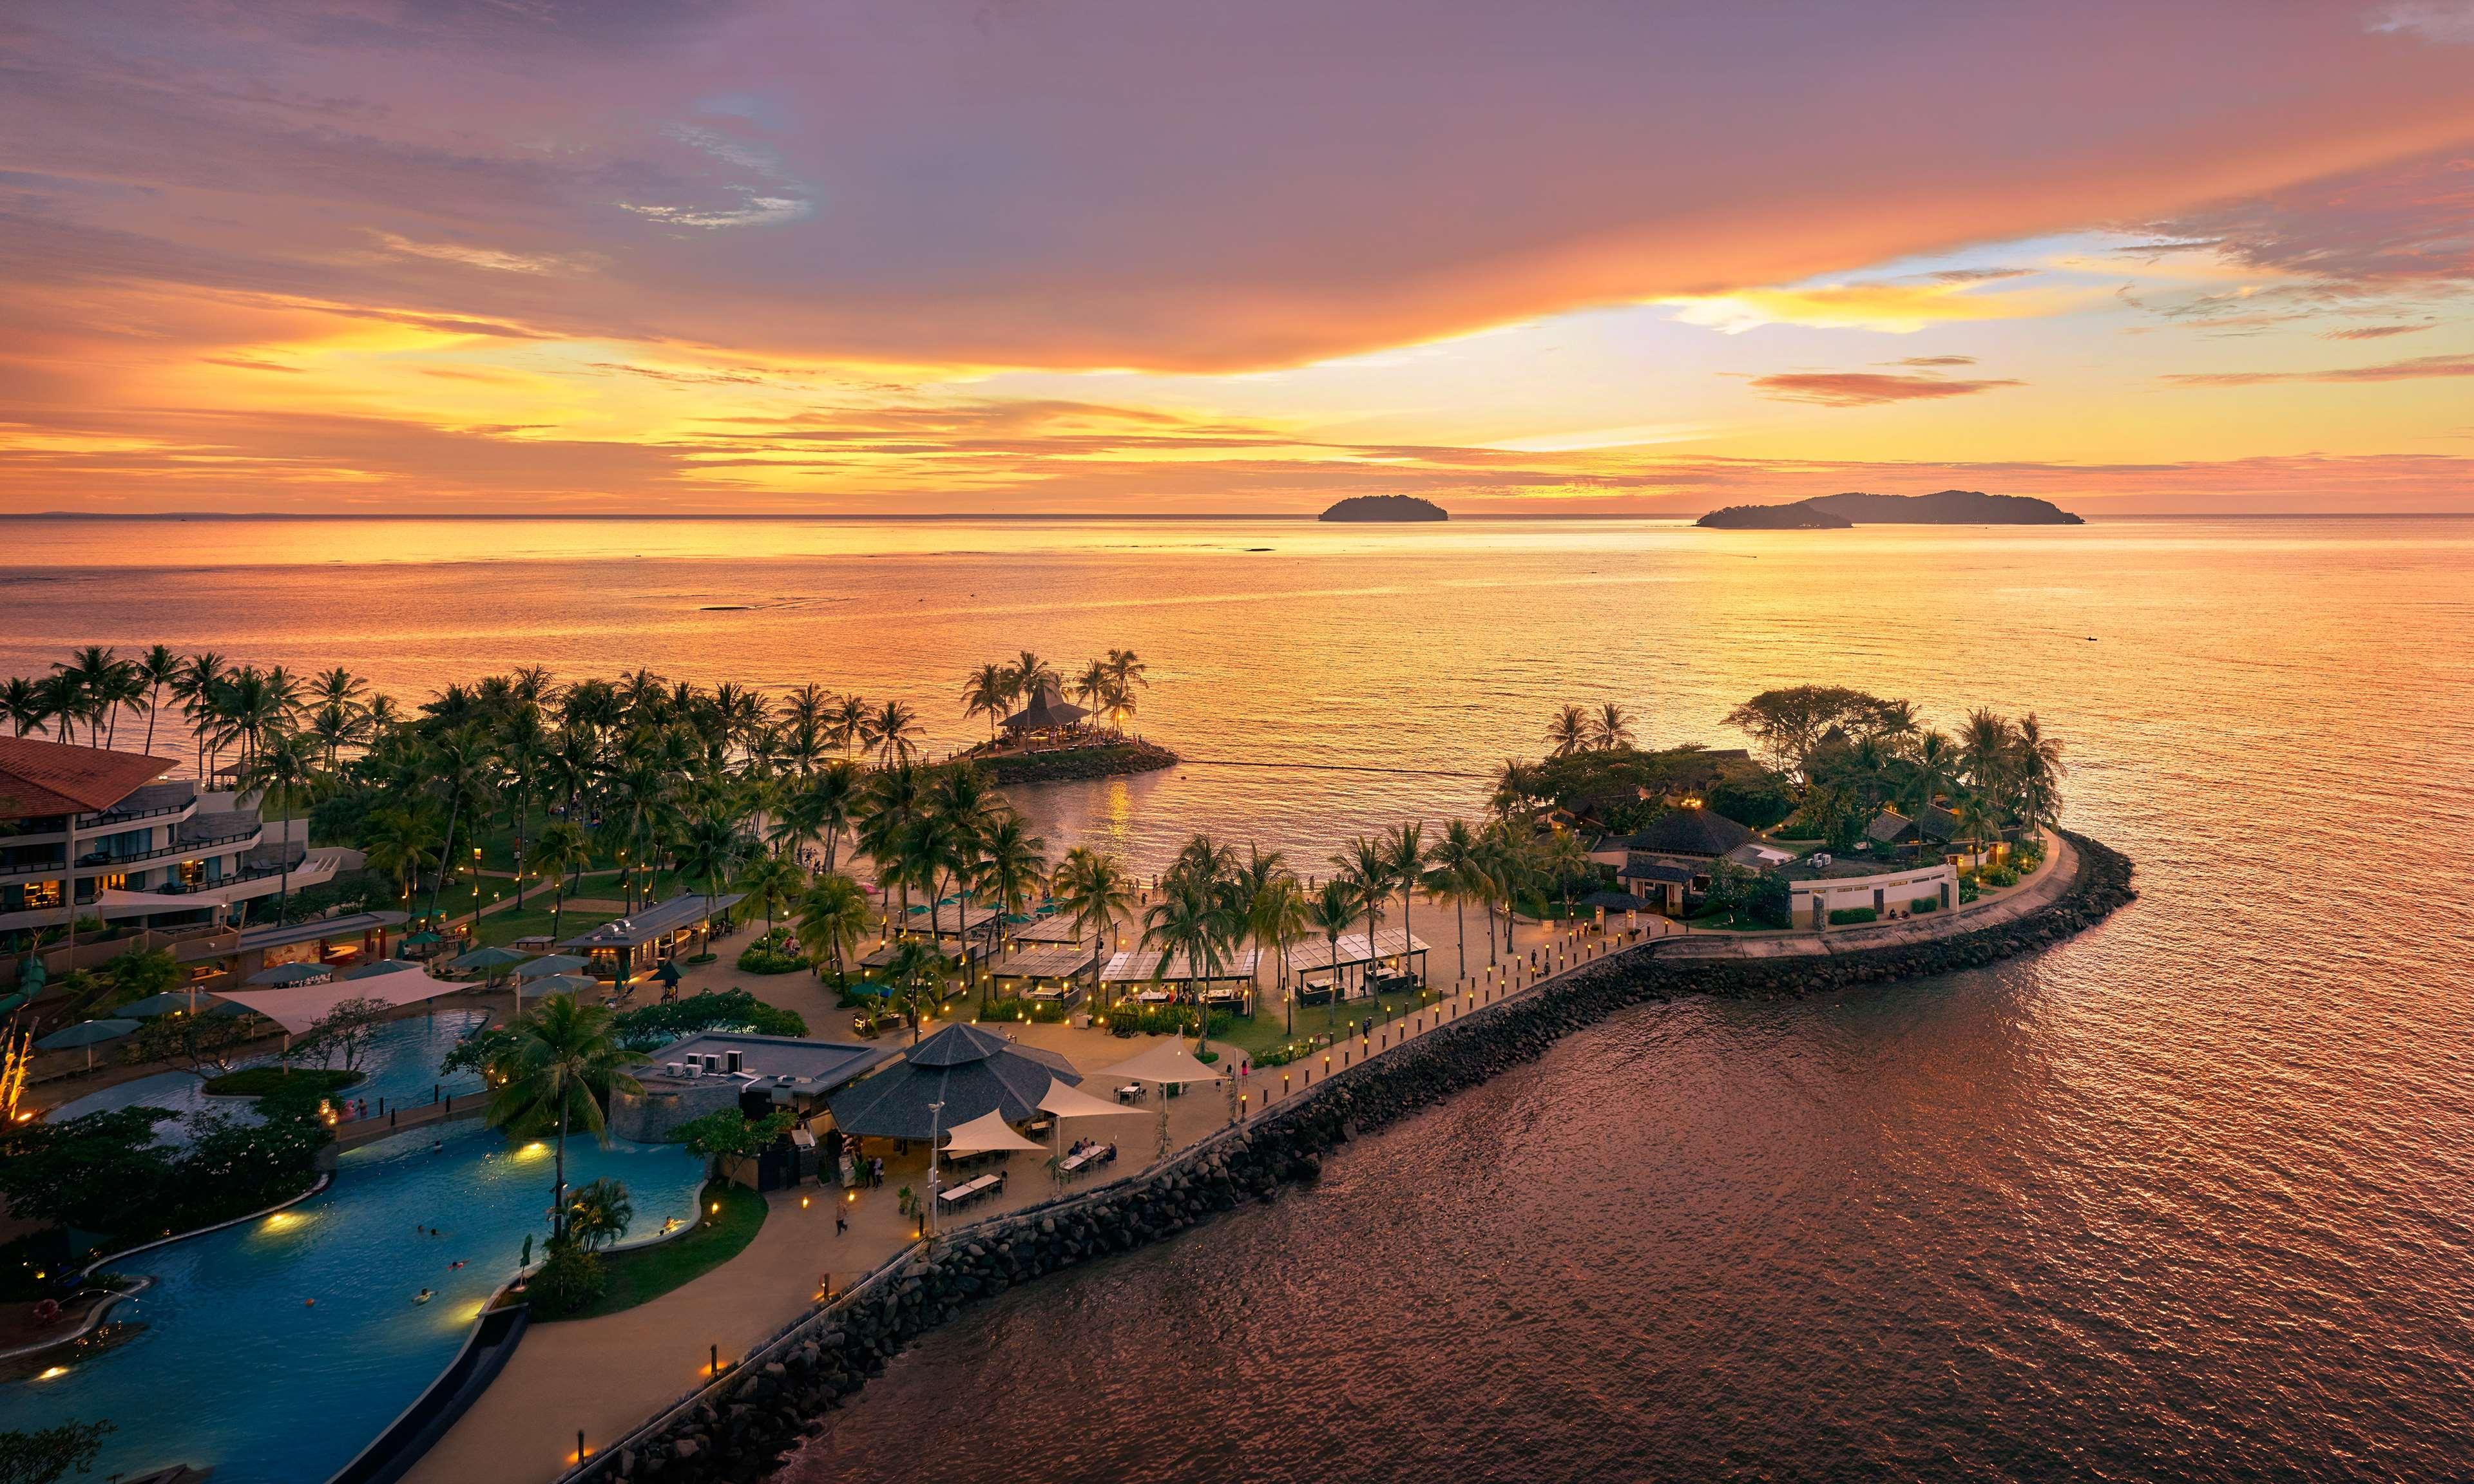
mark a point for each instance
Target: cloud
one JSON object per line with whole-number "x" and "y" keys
{"x": 2433, "y": 20}
{"x": 494, "y": 260}
{"x": 2422, "y": 368}
{"x": 1935, "y": 360}
{"x": 1893, "y": 305}
{"x": 1864, "y": 389}
{"x": 2373, "y": 331}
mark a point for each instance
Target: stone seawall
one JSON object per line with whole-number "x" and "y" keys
{"x": 741, "y": 1428}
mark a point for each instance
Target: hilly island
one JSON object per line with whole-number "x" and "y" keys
{"x": 1854, "y": 507}
{"x": 1384, "y": 508}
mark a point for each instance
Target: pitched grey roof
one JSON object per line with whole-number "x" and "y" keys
{"x": 1887, "y": 826}
{"x": 1690, "y": 832}
{"x": 1047, "y": 711}
{"x": 658, "y": 920}
{"x": 1657, "y": 871}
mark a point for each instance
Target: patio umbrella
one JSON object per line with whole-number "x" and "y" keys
{"x": 552, "y": 963}
{"x": 668, "y": 974}
{"x": 557, "y": 984}
{"x": 293, "y": 974}
{"x": 422, "y": 939}
{"x": 493, "y": 957}
{"x": 88, "y": 1034}
{"x": 153, "y": 1005}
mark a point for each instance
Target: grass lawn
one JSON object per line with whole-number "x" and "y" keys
{"x": 642, "y": 1276}
{"x": 507, "y": 926}
{"x": 1268, "y": 1030}
{"x": 259, "y": 1081}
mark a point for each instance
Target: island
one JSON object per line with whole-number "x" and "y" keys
{"x": 1855, "y": 508}
{"x": 1384, "y": 508}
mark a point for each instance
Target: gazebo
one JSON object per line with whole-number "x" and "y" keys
{"x": 1047, "y": 712}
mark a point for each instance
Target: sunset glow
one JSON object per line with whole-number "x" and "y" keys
{"x": 762, "y": 256}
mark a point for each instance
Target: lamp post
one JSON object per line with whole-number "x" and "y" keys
{"x": 936, "y": 1131}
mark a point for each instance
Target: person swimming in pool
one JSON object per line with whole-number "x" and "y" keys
{"x": 423, "y": 1297}
{"x": 457, "y": 1263}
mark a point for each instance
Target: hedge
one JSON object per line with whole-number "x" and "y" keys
{"x": 1841, "y": 916}
{"x": 1925, "y": 904}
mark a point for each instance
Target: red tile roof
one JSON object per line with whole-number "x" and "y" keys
{"x": 61, "y": 778}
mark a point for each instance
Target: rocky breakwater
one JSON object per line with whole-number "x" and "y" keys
{"x": 1075, "y": 764}
{"x": 744, "y": 1425}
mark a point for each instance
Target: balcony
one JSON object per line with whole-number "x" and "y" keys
{"x": 103, "y": 863}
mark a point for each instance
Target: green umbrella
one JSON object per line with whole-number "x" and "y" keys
{"x": 559, "y": 984}
{"x": 668, "y": 974}
{"x": 421, "y": 938}
{"x": 486, "y": 958}
{"x": 88, "y": 1034}
{"x": 293, "y": 973}
{"x": 551, "y": 964}
{"x": 153, "y": 1005}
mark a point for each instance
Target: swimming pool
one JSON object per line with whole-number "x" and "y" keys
{"x": 401, "y": 1064}
{"x": 235, "y": 1370}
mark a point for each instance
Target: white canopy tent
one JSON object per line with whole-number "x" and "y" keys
{"x": 1062, "y": 1103}
{"x": 297, "y": 1007}
{"x": 986, "y": 1133}
{"x": 1169, "y": 1063}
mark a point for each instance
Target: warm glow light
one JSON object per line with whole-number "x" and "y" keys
{"x": 50, "y": 1371}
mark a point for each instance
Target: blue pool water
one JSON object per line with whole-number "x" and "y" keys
{"x": 236, "y": 1371}
{"x": 402, "y": 1063}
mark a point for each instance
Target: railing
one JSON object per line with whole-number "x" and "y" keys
{"x": 118, "y": 816}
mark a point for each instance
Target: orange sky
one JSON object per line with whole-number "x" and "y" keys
{"x": 764, "y": 255}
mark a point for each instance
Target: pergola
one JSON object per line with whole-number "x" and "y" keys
{"x": 1354, "y": 952}
{"x": 1233, "y": 980}
{"x": 1040, "y": 962}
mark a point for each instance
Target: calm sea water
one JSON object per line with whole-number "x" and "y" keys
{"x": 2188, "y": 1197}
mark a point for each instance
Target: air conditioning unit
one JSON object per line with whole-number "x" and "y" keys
{"x": 734, "y": 1061}
{"x": 672, "y": 1067}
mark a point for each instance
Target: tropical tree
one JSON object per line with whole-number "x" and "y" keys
{"x": 564, "y": 849}
{"x": 1611, "y": 728}
{"x": 194, "y": 687}
{"x": 1028, "y": 672}
{"x": 1276, "y": 916}
{"x": 459, "y": 764}
{"x": 1367, "y": 866}
{"x": 598, "y": 1213}
{"x": 155, "y": 669}
{"x": 1455, "y": 869}
{"x": 892, "y": 733}
{"x": 1094, "y": 890}
{"x": 1560, "y": 857}
{"x": 1012, "y": 864}
{"x": 914, "y": 970}
{"x": 1197, "y": 918}
{"x": 1569, "y": 732}
{"x": 2036, "y": 771}
{"x": 1331, "y": 911}
{"x": 986, "y": 693}
{"x": 403, "y": 841}
{"x": 285, "y": 770}
{"x": 1404, "y": 861}
{"x": 556, "y": 1072}
{"x": 21, "y": 701}
{"x": 710, "y": 852}
{"x": 772, "y": 882}
{"x": 831, "y": 921}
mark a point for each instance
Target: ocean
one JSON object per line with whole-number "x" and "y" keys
{"x": 2187, "y": 1196}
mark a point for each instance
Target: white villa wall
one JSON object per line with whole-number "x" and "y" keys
{"x": 1898, "y": 888}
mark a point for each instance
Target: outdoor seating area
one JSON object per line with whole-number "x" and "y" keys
{"x": 972, "y": 1192}
{"x": 1086, "y": 1155}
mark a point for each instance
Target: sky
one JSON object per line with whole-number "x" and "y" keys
{"x": 911, "y": 256}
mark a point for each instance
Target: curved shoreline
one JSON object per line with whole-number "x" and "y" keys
{"x": 743, "y": 1424}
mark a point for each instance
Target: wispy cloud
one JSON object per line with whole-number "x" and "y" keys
{"x": 2373, "y": 331}
{"x": 1865, "y": 389}
{"x": 2431, "y": 20}
{"x": 1892, "y": 305}
{"x": 2422, "y": 368}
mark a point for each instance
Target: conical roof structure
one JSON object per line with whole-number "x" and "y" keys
{"x": 972, "y": 1071}
{"x": 1047, "y": 712}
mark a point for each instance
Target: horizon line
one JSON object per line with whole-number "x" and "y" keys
{"x": 1098, "y": 516}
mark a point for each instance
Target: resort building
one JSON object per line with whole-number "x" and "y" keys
{"x": 1668, "y": 859}
{"x": 755, "y": 1075}
{"x": 231, "y": 957}
{"x": 1046, "y": 713}
{"x": 103, "y": 833}
{"x": 631, "y": 948}
{"x": 1820, "y": 886}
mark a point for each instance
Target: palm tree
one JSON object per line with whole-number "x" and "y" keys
{"x": 599, "y": 1214}
{"x": 1985, "y": 751}
{"x": 1367, "y": 866}
{"x": 194, "y": 687}
{"x": 2036, "y": 771}
{"x": 772, "y": 882}
{"x": 157, "y": 668}
{"x": 62, "y": 700}
{"x": 1276, "y": 914}
{"x": 912, "y": 967}
{"x": 563, "y": 848}
{"x": 1094, "y": 890}
{"x": 892, "y": 733}
{"x": 849, "y": 723}
{"x": 285, "y": 769}
{"x": 96, "y": 671}
{"x": 1331, "y": 911}
{"x": 403, "y": 841}
{"x": 833, "y": 919}
{"x": 1569, "y": 732}
{"x": 1504, "y": 869}
{"x": 1013, "y": 863}
{"x": 1454, "y": 869}
{"x": 710, "y": 852}
{"x": 1092, "y": 687}
{"x": 984, "y": 693}
{"x": 459, "y": 764}
{"x": 1611, "y": 729}
{"x": 558, "y": 1071}
{"x": 889, "y": 811}
{"x": 833, "y": 796}
{"x": 1197, "y": 918}
{"x": 1561, "y": 857}
{"x": 1126, "y": 668}
{"x": 524, "y": 747}
{"x": 1028, "y": 672}
{"x": 1931, "y": 771}
{"x": 1404, "y": 859}
{"x": 21, "y": 701}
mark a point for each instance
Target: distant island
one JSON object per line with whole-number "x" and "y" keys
{"x": 1386, "y": 508}
{"x": 1854, "y": 507}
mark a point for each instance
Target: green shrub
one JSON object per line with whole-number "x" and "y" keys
{"x": 2001, "y": 875}
{"x": 763, "y": 958}
{"x": 1840, "y": 916}
{"x": 1768, "y": 901}
{"x": 654, "y": 1026}
{"x": 1160, "y": 1020}
{"x": 1967, "y": 890}
{"x": 570, "y": 1280}
{"x": 1042, "y": 1012}
{"x": 1925, "y": 904}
